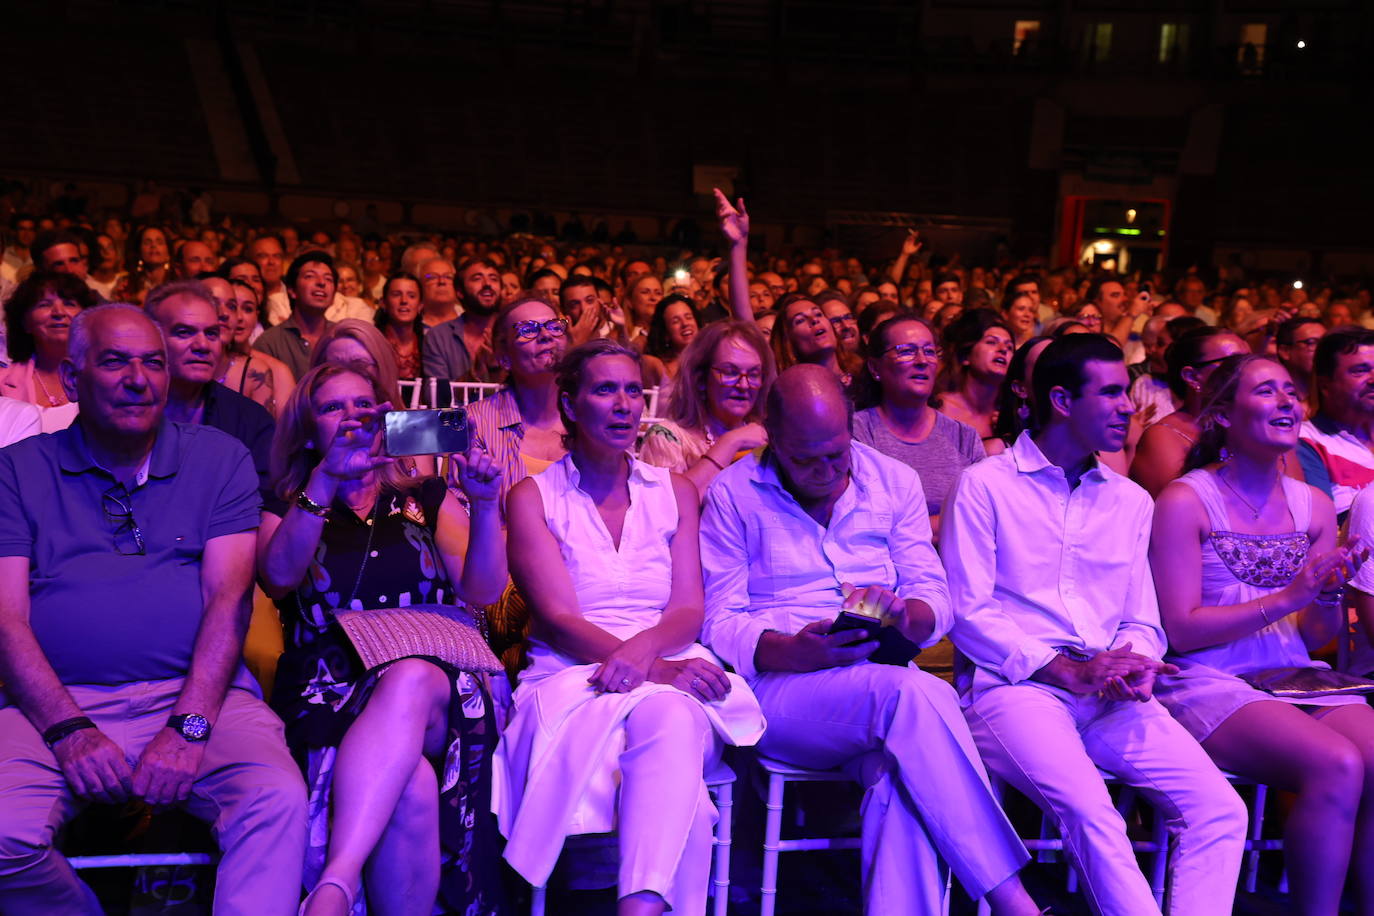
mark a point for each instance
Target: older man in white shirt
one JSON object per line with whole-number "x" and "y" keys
{"x": 1055, "y": 606}
{"x": 821, "y": 522}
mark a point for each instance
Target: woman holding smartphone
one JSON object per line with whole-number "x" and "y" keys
{"x": 396, "y": 757}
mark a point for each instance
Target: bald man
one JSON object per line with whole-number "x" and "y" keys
{"x": 817, "y": 524}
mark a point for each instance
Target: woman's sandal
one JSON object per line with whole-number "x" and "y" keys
{"x": 327, "y": 881}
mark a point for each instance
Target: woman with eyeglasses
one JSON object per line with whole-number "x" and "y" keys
{"x": 1191, "y": 359}
{"x": 519, "y": 426}
{"x": 715, "y": 411}
{"x": 900, "y": 416}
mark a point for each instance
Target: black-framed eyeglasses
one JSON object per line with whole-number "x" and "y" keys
{"x": 907, "y": 352}
{"x": 432, "y": 277}
{"x": 733, "y": 375}
{"x": 529, "y": 328}
{"x": 119, "y": 509}
{"x": 840, "y": 321}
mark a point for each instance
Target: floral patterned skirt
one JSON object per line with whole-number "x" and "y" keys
{"x": 471, "y": 881}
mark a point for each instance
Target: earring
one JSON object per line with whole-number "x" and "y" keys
{"x": 309, "y": 444}
{"x": 1225, "y": 454}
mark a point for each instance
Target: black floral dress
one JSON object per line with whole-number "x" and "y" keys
{"x": 321, "y": 686}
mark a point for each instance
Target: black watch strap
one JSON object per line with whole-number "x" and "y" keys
{"x": 64, "y": 728}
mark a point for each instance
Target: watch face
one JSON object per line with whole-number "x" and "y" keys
{"x": 195, "y": 728}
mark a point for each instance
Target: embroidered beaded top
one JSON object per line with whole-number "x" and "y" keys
{"x": 1262, "y": 560}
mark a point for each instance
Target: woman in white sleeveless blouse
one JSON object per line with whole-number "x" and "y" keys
{"x": 620, "y": 712}
{"x": 1249, "y": 578}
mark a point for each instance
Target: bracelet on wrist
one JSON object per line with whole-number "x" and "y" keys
{"x": 1263, "y": 615}
{"x": 1329, "y": 599}
{"x": 308, "y": 505}
{"x": 64, "y": 728}
{"x": 707, "y": 457}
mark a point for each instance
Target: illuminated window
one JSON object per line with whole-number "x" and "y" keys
{"x": 1250, "y": 50}
{"x": 1097, "y": 42}
{"x": 1027, "y": 31}
{"x": 1173, "y": 42}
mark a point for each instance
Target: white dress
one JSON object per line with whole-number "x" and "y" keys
{"x": 555, "y": 773}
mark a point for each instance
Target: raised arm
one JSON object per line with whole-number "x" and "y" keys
{"x": 286, "y": 545}
{"x": 910, "y": 245}
{"x": 734, "y": 224}
{"x": 474, "y": 549}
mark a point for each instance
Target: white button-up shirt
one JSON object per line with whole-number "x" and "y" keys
{"x": 1035, "y": 566}
{"x": 770, "y": 566}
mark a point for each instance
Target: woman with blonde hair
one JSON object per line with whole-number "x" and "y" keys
{"x": 397, "y": 757}
{"x": 356, "y": 341}
{"x": 715, "y": 411}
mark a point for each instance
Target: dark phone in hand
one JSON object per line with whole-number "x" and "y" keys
{"x": 427, "y": 432}
{"x": 893, "y": 647}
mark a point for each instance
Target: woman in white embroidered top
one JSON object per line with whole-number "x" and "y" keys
{"x": 1249, "y": 580}
{"x": 620, "y": 712}
{"x": 715, "y": 411}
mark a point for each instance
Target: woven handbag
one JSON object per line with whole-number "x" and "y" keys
{"x": 440, "y": 631}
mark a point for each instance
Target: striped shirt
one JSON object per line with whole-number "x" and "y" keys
{"x": 498, "y": 429}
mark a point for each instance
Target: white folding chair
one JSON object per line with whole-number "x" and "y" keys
{"x": 721, "y": 783}
{"x": 779, "y": 776}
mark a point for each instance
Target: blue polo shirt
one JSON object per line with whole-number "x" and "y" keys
{"x": 101, "y": 616}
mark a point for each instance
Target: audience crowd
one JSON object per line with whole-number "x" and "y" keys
{"x": 921, "y": 521}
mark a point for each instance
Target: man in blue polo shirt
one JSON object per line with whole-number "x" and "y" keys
{"x": 126, "y": 558}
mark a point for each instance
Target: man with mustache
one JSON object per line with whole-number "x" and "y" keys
{"x": 457, "y": 349}
{"x": 126, "y": 561}
{"x": 311, "y": 282}
{"x": 1054, "y": 604}
{"x": 189, "y": 318}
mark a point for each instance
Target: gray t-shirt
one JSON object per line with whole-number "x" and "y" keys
{"x": 938, "y": 460}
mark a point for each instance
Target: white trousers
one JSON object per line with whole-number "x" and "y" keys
{"x": 666, "y": 815}
{"x": 1049, "y": 744}
{"x": 926, "y": 799}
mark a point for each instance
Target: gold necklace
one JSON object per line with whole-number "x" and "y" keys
{"x": 1255, "y": 513}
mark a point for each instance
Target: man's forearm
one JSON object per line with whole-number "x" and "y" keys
{"x": 216, "y": 656}
{"x": 30, "y": 680}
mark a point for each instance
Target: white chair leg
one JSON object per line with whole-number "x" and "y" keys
{"x": 1256, "y": 834}
{"x": 1159, "y": 868}
{"x": 720, "y": 880}
{"x": 537, "y": 901}
{"x": 772, "y": 835}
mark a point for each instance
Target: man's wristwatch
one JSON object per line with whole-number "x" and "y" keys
{"x": 191, "y": 727}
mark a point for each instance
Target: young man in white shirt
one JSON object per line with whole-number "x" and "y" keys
{"x": 1055, "y": 609}
{"x": 821, "y": 523}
